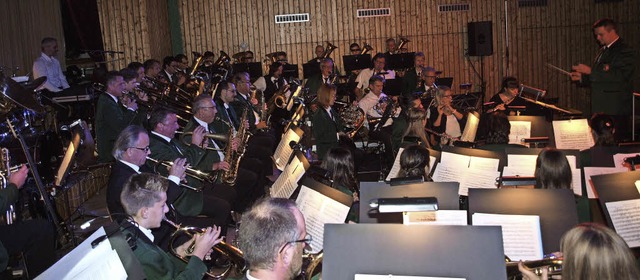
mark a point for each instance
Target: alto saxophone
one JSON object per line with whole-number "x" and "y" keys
{"x": 229, "y": 177}
{"x": 5, "y": 172}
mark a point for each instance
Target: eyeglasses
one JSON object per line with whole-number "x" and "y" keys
{"x": 145, "y": 149}
{"x": 306, "y": 240}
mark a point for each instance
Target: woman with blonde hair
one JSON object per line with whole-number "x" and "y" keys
{"x": 592, "y": 251}
{"x": 327, "y": 124}
{"x": 415, "y": 133}
{"x": 444, "y": 119}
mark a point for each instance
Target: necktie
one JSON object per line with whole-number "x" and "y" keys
{"x": 602, "y": 50}
{"x": 229, "y": 117}
{"x": 173, "y": 143}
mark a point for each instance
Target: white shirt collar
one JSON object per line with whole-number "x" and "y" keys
{"x": 133, "y": 166}
{"x": 161, "y": 136}
{"x": 249, "y": 277}
{"x": 202, "y": 123}
{"x": 146, "y": 231}
{"x": 115, "y": 99}
{"x": 614, "y": 41}
{"x": 226, "y": 106}
{"x": 46, "y": 57}
{"x": 328, "y": 111}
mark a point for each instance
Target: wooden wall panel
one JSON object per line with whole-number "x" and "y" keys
{"x": 24, "y": 24}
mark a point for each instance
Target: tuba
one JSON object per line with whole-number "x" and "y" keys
{"x": 366, "y": 48}
{"x": 403, "y": 42}
{"x": 224, "y": 60}
{"x": 234, "y": 254}
{"x": 328, "y": 50}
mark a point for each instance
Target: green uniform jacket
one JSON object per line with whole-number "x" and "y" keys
{"x": 210, "y": 157}
{"x": 190, "y": 202}
{"x": 611, "y": 80}
{"x": 111, "y": 119}
{"x": 8, "y": 196}
{"x": 325, "y": 130}
{"x": 240, "y": 104}
{"x": 409, "y": 82}
{"x": 158, "y": 264}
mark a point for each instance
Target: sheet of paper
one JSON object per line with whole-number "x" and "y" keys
{"x": 454, "y": 159}
{"x": 440, "y": 217}
{"x": 618, "y": 159}
{"x": 470, "y": 129}
{"x": 319, "y": 210}
{"x": 110, "y": 267}
{"x": 520, "y": 234}
{"x": 522, "y": 160}
{"x": 576, "y": 181}
{"x": 283, "y": 151}
{"x": 593, "y": 171}
{"x": 637, "y": 183}
{"x": 432, "y": 163}
{"x": 519, "y": 130}
{"x": 464, "y": 161}
{"x": 468, "y": 178}
{"x": 522, "y": 171}
{"x": 399, "y": 277}
{"x": 84, "y": 258}
{"x": 490, "y": 164}
{"x": 625, "y": 216}
{"x": 287, "y": 182}
{"x": 395, "y": 169}
{"x": 573, "y": 134}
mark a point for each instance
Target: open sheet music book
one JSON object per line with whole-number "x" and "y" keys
{"x": 469, "y": 171}
{"x": 287, "y": 182}
{"x": 440, "y": 217}
{"x": 593, "y": 171}
{"x": 318, "y": 210}
{"x": 573, "y": 134}
{"x": 519, "y": 131}
{"x": 520, "y": 234}
{"x": 84, "y": 262}
{"x": 283, "y": 151}
{"x": 625, "y": 216}
{"x": 471, "y": 128}
{"x": 525, "y": 166}
{"x": 395, "y": 169}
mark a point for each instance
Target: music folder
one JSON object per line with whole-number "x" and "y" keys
{"x": 413, "y": 250}
{"x": 446, "y": 193}
{"x": 356, "y": 62}
{"x": 400, "y": 61}
{"x": 290, "y": 71}
{"x": 556, "y": 209}
{"x": 253, "y": 68}
{"x": 283, "y": 151}
{"x": 616, "y": 187}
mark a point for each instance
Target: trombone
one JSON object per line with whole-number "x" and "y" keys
{"x": 193, "y": 173}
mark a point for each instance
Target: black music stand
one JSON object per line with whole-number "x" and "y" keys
{"x": 615, "y": 187}
{"x": 445, "y": 192}
{"x": 416, "y": 250}
{"x": 253, "y": 68}
{"x": 310, "y": 69}
{"x": 445, "y": 81}
{"x": 556, "y": 208}
{"x": 290, "y": 71}
{"x": 356, "y": 62}
{"x": 393, "y": 87}
{"x": 400, "y": 61}
{"x": 540, "y": 128}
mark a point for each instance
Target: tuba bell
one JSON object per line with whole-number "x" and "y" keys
{"x": 234, "y": 254}
{"x": 224, "y": 60}
{"x": 366, "y": 48}
{"x": 328, "y": 50}
{"x": 403, "y": 42}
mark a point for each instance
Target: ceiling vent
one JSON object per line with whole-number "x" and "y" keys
{"x": 291, "y": 18}
{"x": 381, "y": 12}
{"x": 460, "y": 7}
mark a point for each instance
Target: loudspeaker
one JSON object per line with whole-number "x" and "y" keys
{"x": 480, "y": 38}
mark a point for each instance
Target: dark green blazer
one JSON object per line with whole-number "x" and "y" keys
{"x": 209, "y": 157}
{"x": 410, "y": 82}
{"x": 8, "y": 196}
{"x": 190, "y": 202}
{"x": 111, "y": 119}
{"x": 611, "y": 79}
{"x": 313, "y": 84}
{"x": 240, "y": 104}
{"x": 325, "y": 130}
{"x": 158, "y": 264}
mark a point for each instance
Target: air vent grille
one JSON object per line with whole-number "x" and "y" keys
{"x": 381, "y": 12}
{"x": 460, "y": 7}
{"x": 532, "y": 3}
{"x": 291, "y": 18}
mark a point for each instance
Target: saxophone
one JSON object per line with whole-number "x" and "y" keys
{"x": 233, "y": 158}
{"x": 5, "y": 172}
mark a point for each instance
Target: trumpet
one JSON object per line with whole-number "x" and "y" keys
{"x": 193, "y": 173}
{"x": 234, "y": 254}
{"x": 553, "y": 266}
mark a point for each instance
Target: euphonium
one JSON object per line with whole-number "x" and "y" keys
{"x": 278, "y": 99}
{"x": 224, "y": 60}
{"x": 553, "y": 267}
{"x": 5, "y": 158}
{"x": 403, "y": 41}
{"x": 193, "y": 173}
{"x": 366, "y": 48}
{"x": 234, "y": 254}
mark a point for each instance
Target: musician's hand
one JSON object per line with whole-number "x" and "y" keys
{"x": 261, "y": 125}
{"x": 576, "y": 77}
{"x": 222, "y": 165}
{"x": 582, "y": 69}
{"x": 206, "y": 241}
{"x": 254, "y": 101}
{"x": 142, "y": 96}
{"x": 178, "y": 168}
{"x": 182, "y": 249}
{"x": 235, "y": 143}
{"x": 440, "y": 109}
{"x": 246, "y": 123}
{"x": 19, "y": 177}
{"x": 133, "y": 105}
{"x": 198, "y": 136}
{"x": 500, "y": 107}
{"x": 529, "y": 275}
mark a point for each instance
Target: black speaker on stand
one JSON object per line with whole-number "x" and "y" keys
{"x": 480, "y": 43}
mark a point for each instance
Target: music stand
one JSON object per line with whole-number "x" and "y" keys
{"x": 290, "y": 71}
{"x": 445, "y": 81}
{"x": 310, "y": 69}
{"x": 536, "y": 151}
{"x": 393, "y": 87}
{"x": 356, "y": 62}
{"x": 253, "y": 68}
{"x": 445, "y": 192}
{"x": 556, "y": 208}
{"x": 400, "y": 61}
{"x": 478, "y": 153}
{"x": 424, "y": 250}
{"x": 540, "y": 127}
{"x": 615, "y": 187}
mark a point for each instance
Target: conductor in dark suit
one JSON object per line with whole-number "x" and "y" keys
{"x": 610, "y": 77}
{"x": 327, "y": 124}
{"x": 112, "y": 117}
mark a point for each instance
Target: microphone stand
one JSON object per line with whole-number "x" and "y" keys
{"x": 483, "y": 84}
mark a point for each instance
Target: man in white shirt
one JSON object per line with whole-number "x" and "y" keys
{"x": 368, "y": 105}
{"x": 48, "y": 66}
{"x": 273, "y": 237}
{"x": 379, "y": 62}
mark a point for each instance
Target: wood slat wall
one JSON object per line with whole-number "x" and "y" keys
{"x": 139, "y": 28}
{"x": 24, "y": 24}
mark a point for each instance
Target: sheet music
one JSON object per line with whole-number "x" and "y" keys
{"x": 452, "y": 159}
{"x": 573, "y": 134}
{"x": 400, "y": 277}
{"x": 463, "y": 161}
{"x": 519, "y": 130}
{"x": 625, "y": 216}
{"x": 522, "y": 171}
{"x": 432, "y": 163}
{"x": 618, "y": 159}
{"x": 522, "y": 160}
{"x": 484, "y": 163}
{"x": 283, "y": 151}
{"x": 520, "y": 234}
{"x": 637, "y": 183}
{"x": 440, "y": 217}
{"x": 83, "y": 262}
{"x": 287, "y": 182}
{"x": 593, "y": 171}
{"x": 468, "y": 178}
{"x": 395, "y": 169}
{"x": 318, "y": 209}
{"x": 576, "y": 181}
{"x": 470, "y": 129}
